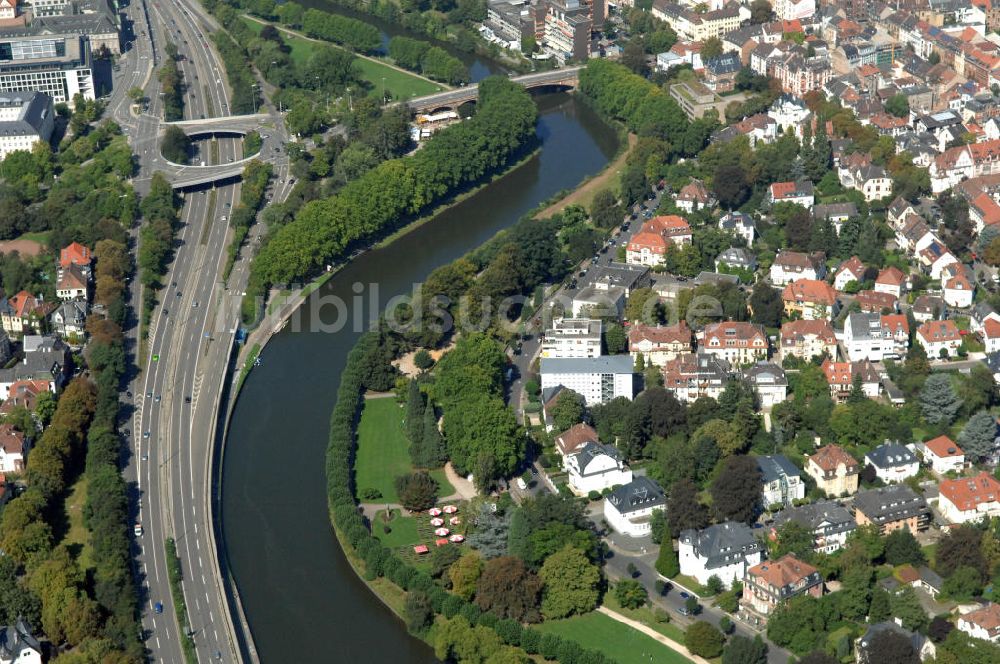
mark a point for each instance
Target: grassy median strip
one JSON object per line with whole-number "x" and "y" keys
{"x": 180, "y": 608}
{"x": 209, "y": 217}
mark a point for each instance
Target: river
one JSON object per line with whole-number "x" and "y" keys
{"x": 479, "y": 66}
{"x": 302, "y": 600}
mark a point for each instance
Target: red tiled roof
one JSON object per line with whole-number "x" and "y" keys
{"x": 807, "y": 328}
{"x": 991, "y": 328}
{"x": 661, "y": 334}
{"x": 570, "y": 439}
{"x": 895, "y": 323}
{"x": 939, "y": 330}
{"x": 891, "y": 276}
{"x": 966, "y": 493}
{"x": 810, "y": 290}
{"x": 11, "y": 440}
{"x": 854, "y": 266}
{"x": 943, "y": 447}
{"x": 987, "y": 617}
{"x": 785, "y": 571}
{"x": 831, "y": 456}
{"x": 74, "y": 254}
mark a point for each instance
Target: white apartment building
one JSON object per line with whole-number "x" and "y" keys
{"x": 572, "y": 337}
{"x": 725, "y": 550}
{"x": 628, "y": 508}
{"x": 597, "y": 379}
{"x": 26, "y": 118}
{"x": 596, "y": 467}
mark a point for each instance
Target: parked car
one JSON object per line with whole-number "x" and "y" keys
{"x": 137, "y": 530}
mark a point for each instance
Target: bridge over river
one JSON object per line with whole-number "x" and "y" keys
{"x": 451, "y": 99}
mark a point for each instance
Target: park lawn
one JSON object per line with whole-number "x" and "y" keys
{"x": 78, "y": 537}
{"x": 383, "y": 451}
{"x": 399, "y": 84}
{"x": 41, "y": 237}
{"x": 403, "y": 529}
{"x": 616, "y": 640}
{"x": 646, "y": 616}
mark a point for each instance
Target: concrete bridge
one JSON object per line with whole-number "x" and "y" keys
{"x": 230, "y": 124}
{"x": 566, "y": 79}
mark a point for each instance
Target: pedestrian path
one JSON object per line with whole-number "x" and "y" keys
{"x": 653, "y": 634}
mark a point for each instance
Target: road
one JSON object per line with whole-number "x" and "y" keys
{"x": 190, "y": 337}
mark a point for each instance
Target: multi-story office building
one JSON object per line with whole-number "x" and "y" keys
{"x": 567, "y": 30}
{"x": 56, "y": 65}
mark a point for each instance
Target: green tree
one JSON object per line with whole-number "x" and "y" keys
{"x": 960, "y": 547}
{"x": 938, "y": 401}
{"x": 175, "y": 145}
{"x": 666, "y": 560}
{"x": 880, "y": 609}
{"x": 509, "y": 589}
{"x": 492, "y": 532}
{"x": 766, "y": 304}
{"x": 704, "y": 639}
{"x": 978, "y": 437}
{"x": 907, "y": 608}
{"x": 684, "y": 510}
{"x": 901, "y": 547}
{"x": 963, "y": 584}
{"x": 736, "y": 489}
{"x": 417, "y": 491}
{"x": 760, "y": 11}
{"x": 604, "y": 210}
{"x": 418, "y": 612}
{"x": 615, "y": 339}
{"x": 631, "y": 594}
{"x": 415, "y": 420}
{"x": 464, "y": 575}
{"x": 743, "y": 650}
{"x": 711, "y": 48}
{"x": 571, "y": 584}
{"x": 794, "y": 538}
{"x": 434, "y": 451}
{"x": 569, "y": 410}
{"x": 898, "y": 105}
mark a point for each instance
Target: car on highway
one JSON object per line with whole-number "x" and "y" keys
{"x": 128, "y": 393}
{"x": 158, "y": 607}
{"x": 137, "y": 530}
{"x": 187, "y": 399}
{"x": 194, "y": 305}
{"x": 157, "y": 398}
{"x": 145, "y": 434}
{"x": 149, "y": 395}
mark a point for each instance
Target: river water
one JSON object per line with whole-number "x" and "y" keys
{"x": 302, "y": 600}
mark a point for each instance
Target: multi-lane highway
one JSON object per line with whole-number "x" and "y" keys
{"x": 188, "y": 342}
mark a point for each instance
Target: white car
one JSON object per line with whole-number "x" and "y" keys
{"x": 137, "y": 530}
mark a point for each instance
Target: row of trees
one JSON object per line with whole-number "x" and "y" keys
{"x": 396, "y": 190}
{"x": 355, "y": 34}
{"x": 245, "y": 97}
{"x": 156, "y": 239}
{"x": 172, "y": 86}
{"x": 255, "y": 178}
{"x": 425, "y": 598}
{"x": 431, "y": 61}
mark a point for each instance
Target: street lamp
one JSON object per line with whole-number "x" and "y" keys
{"x": 253, "y": 96}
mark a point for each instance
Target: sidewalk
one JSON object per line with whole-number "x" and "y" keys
{"x": 653, "y": 634}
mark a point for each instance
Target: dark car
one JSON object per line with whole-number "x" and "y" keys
{"x": 684, "y": 595}
{"x": 187, "y": 399}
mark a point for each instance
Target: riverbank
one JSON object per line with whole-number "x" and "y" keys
{"x": 585, "y": 193}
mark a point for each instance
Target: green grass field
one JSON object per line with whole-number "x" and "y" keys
{"x": 383, "y": 451}
{"x": 617, "y": 640}
{"x": 400, "y": 84}
{"x": 78, "y": 537}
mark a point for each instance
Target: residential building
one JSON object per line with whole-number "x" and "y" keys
{"x": 891, "y": 280}
{"x": 567, "y": 27}
{"x": 800, "y": 193}
{"x": 694, "y": 196}
{"x": 737, "y": 342}
{"x": 597, "y": 379}
{"x": 649, "y": 245}
{"x": 24, "y": 394}
{"x": 840, "y": 376}
{"x": 850, "y": 270}
{"x": 788, "y": 112}
{"x": 837, "y": 213}
{"x": 969, "y": 498}
{"x": 893, "y": 462}
{"x": 782, "y": 481}
{"x": 720, "y": 73}
{"x": 72, "y": 283}
{"x": 789, "y": 266}
{"x": 570, "y": 441}
{"x": 695, "y": 99}
{"x": 922, "y": 646}
{"x": 806, "y": 339}
{"x": 13, "y": 449}
{"x": 618, "y": 275}
{"x": 596, "y": 302}
{"x": 811, "y": 299}
{"x": 692, "y": 26}
{"x": 943, "y": 455}
{"x": 991, "y": 335}
{"x": 772, "y": 582}
{"x": 981, "y": 313}
{"x": 958, "y": 284}
{"x": 736, "y": 258}
{"x": 983, "y": 623}
{"x": 24, "y": 313}
{"x": 596, "y": 467}
{"x": 892, "y": 508}
{"x": 835, "y": 471}
{"x": 572, "y": 337}
{"x": 927, "y": 308}
{"x": 828, "y": 521}
{"x": 740, "y": 224}
{"x": 18, "y": 645}
{"x": 75, "y": 253}
{"x": 659, "y": 344}
{"x": 871, "y": 301}
{"x": 876, "y": 337}
{"x": 964, "y": 162}
{"x": 939, "y": 338}
{"x": 26, "y": 118}
{"x": 769, "y": 381}
{"x": 725, "y": 550}
{"x": 629, "y": 508}
{"x": 69, "y": 320}
{"x": 693, "y": 375}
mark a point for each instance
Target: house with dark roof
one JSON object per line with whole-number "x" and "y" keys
{"x": 782, "y": 480}
{"x": 26, "y": 118}
{"x": 922, "y": 647}
{"x": 596, "y": 467}
{"x": 720, "y": 72}
{"x": 769, "y": 382}
{"x": 736, "y": 258}
{"x": 739, "y": 223}
{"x": 725, "y": 550}
{"x": 629, "y": 508}
{"x": 892, "y": 508}
{"x": 893, "y": 462}
{"x": 828, "y": 521}
{"x": 18, "y": 645}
